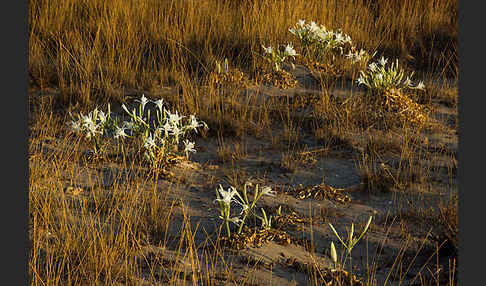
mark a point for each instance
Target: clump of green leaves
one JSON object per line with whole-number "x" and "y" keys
{"x": 348, "y": 245}
{"x": 380, "y": 77}
{"x": 276, "y": 57}
{"x": 225, "y": 198}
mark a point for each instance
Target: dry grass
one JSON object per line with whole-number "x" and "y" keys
{"x": 94, "y": 52}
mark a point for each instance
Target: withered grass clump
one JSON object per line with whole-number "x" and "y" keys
{"x": 391, "y": 109}
{"x": 281, "y": 79}
{"x": 232, "y": 78}
{"x": 256, "y": 237}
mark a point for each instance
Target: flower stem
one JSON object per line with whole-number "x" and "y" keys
{"x": 227, "y": 228}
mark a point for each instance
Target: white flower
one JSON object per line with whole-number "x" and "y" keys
{"x": 347, "y": 39}
{"x": 87, "y": 120}
{"x": 226, "y": 196}
{"x": 149, "y": 142}
{"x": 420, "y": 85}
{"x": 268, "y": 50}
{"x": 90, "y": 126}
{"x": 313, "y": 27}
{"x": 193, "y": 125}
{"x": 372, "y": 66}
{"x": 360, "y": 80}
{"x": 167, "y": 127}
{"x": 159, "y": 104}
{"x": 236, "y": 220}
{"x": 289, "y": 50}
{"x": 102, "y": 116}
{"x": 244, "y": 207}
{"x": 143, "y": 100}
{"x": 339, "y": 38}
{"x": 301, "y": 23}
{"x": 189, "y": 147}
{"x": 176, "y": 132}
{"x": 120, "y": 132}
{"x": 174, "y": 118}
{"x": 383, "y": 61}
{"x": 76, "y": 125}
{"x": 267, "y": 191}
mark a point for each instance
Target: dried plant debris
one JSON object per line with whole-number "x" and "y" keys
{"x": 316, "y": 192}
{"x": 256, "y": 238}
{"x": 300, "y": 101}
{"x": 231, "y": 77}
{"x": 326, "y": 276}
{"x": 281, "y": 79}
{"x": 289, "y": 220}
{"x": 405, "y": 107}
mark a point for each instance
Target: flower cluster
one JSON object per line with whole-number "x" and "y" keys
{"x": 158, "y": 136}
{"x": 277, "y": 56}
{"x": 94, "y": 126}
{"x": 317, "y": 40}
{"x": 381, "y": 77}
{"x": 225, "y": 198}
{"x": 360, "y": 56}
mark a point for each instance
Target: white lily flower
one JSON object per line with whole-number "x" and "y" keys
{"x": 101, "y": 116}
{"x": 313, "y": 27}
{"x": 373, "y": 66}
{"x": 420, "y": 85}
{"x": 383, "y": 61}
{"x": 159, "y": 104}
{"x": 76, "y": 125}
{"x": 267, "y": 191}
{"x": 268, "y": 50}
{"x": 236, "y": 220}
{"x": 289, "y": 50}
{"x": 87, "y": 120}
{"x": 339, "y": 38}
{"x": 143, "y": 100}
{"x": 189, "y": 146}
{"x": 194, "y": 124}
{"x": 226, "y": 196}
{"x": 149, "y": 142}
{"x": 174, "y": 118}
{"x": 167, "y": 127}
{"x": 120, "y": 132}
{"x": 176, "y": 132}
